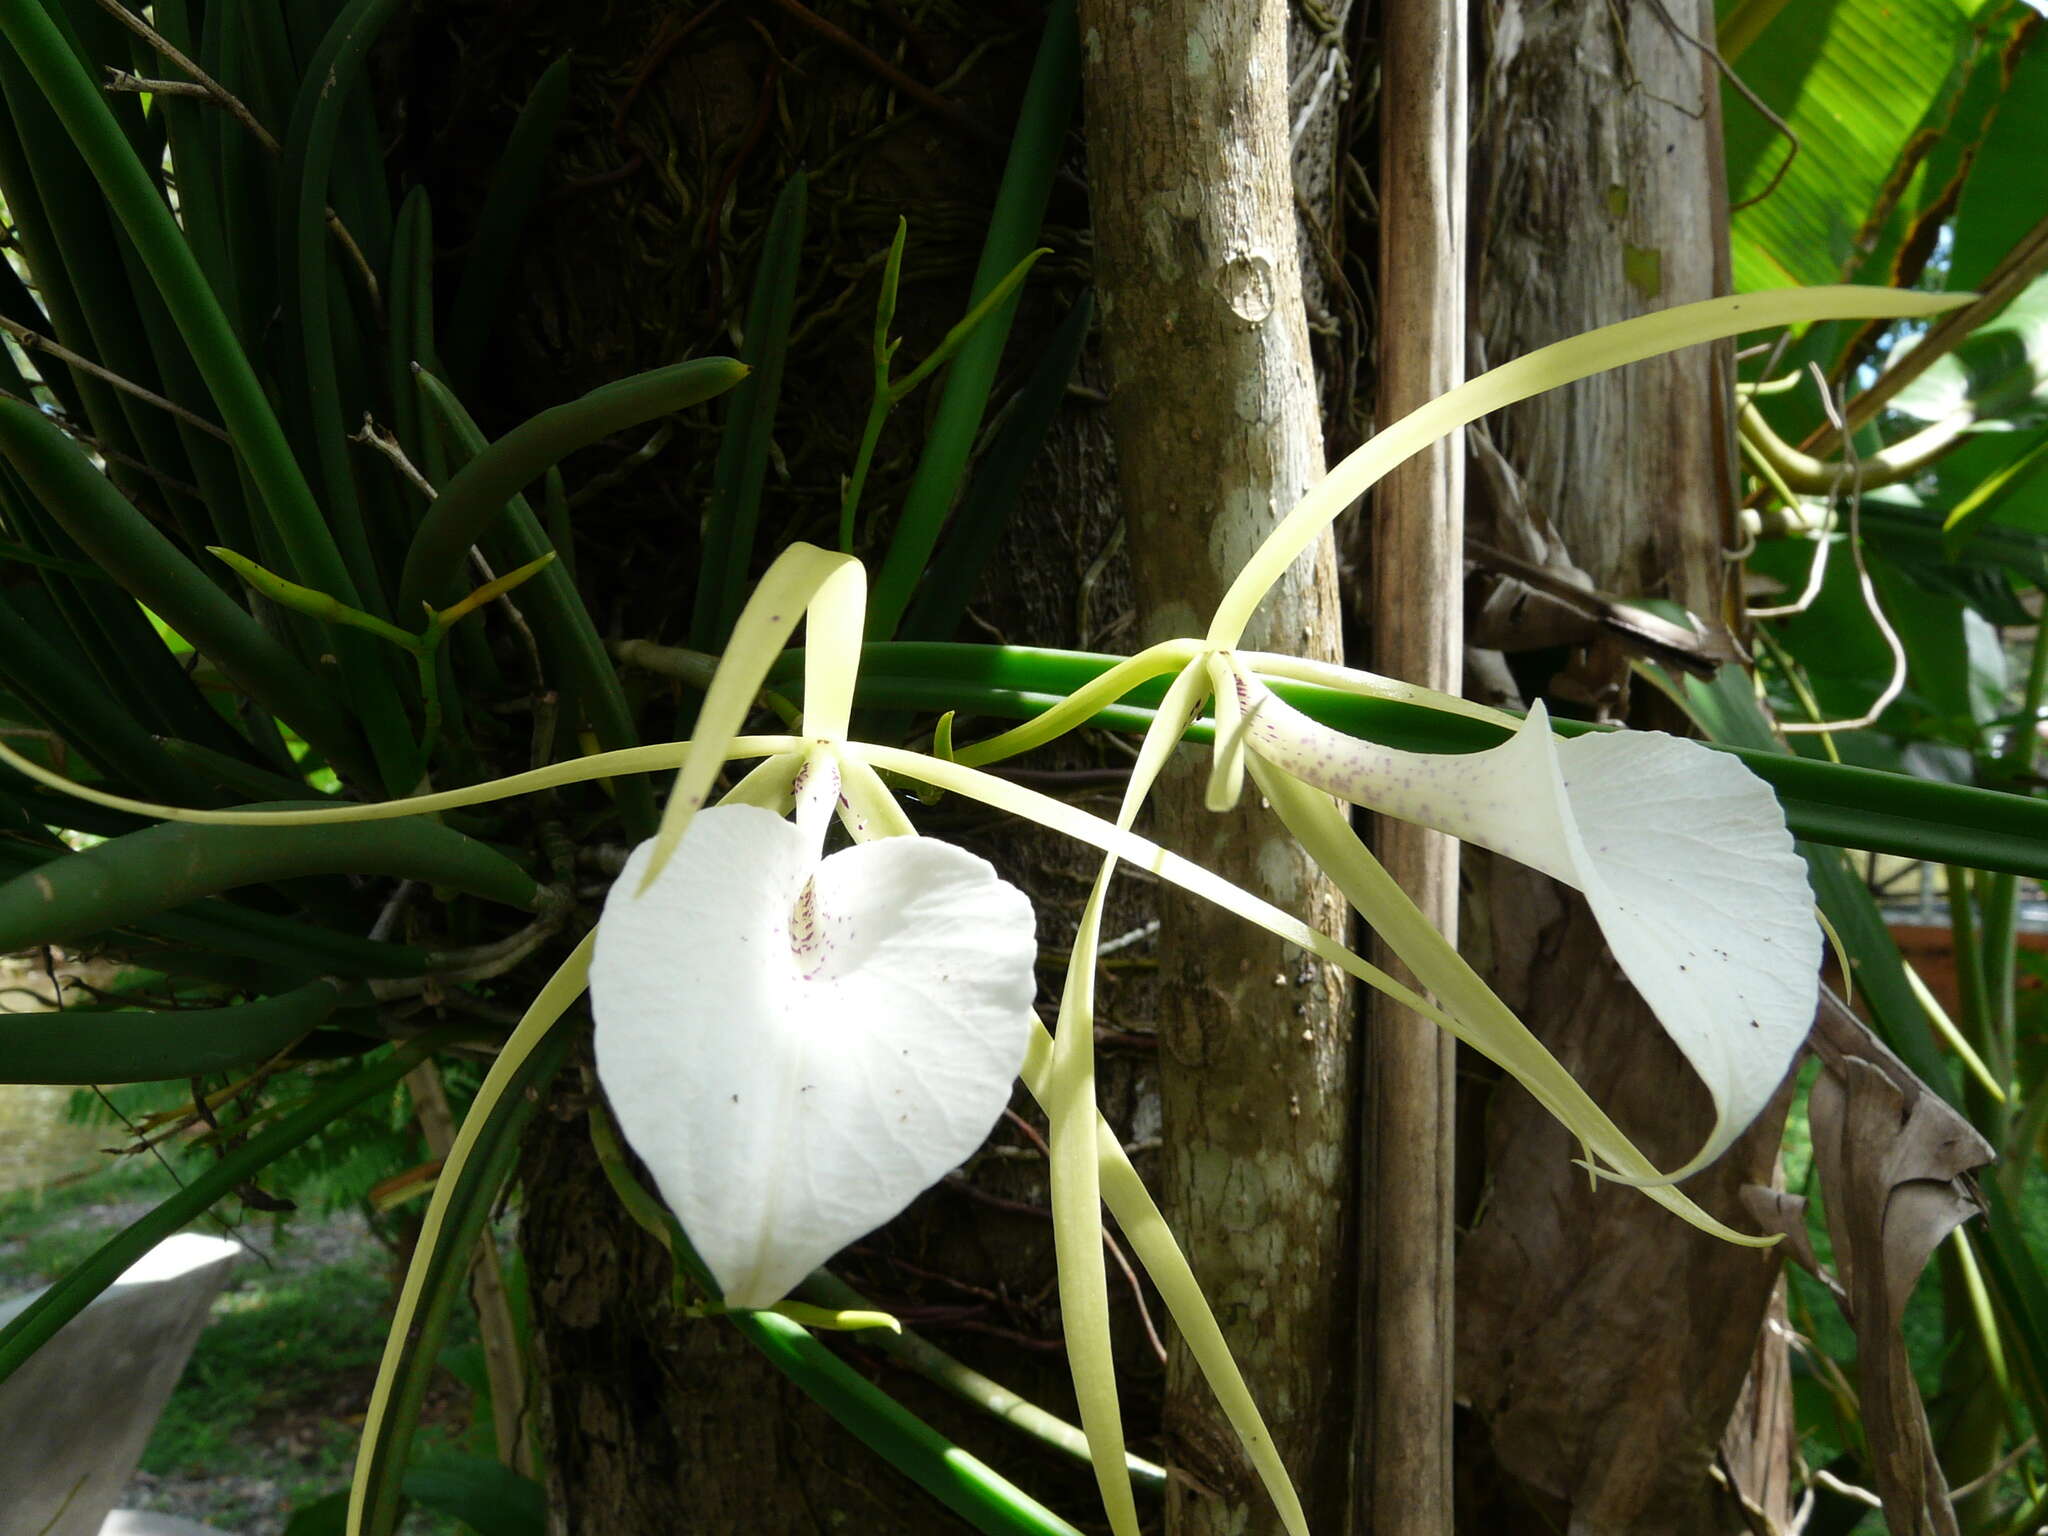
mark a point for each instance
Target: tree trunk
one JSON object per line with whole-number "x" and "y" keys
{"x": 1214, "y": 406}
{"x": 647, "y": 1415}
{"x": 1602, "y": 1346}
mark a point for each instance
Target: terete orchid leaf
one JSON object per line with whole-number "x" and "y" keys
{"x": 797, "y": 1048}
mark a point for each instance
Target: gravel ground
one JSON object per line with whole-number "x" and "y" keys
{"x": 254, "y": 1504}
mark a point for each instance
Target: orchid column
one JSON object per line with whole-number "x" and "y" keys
{"x": 1214, "y": 410}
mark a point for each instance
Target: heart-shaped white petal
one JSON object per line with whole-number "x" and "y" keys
{"x": 797, "y": 1048}
{"x": 1681, "y": 851}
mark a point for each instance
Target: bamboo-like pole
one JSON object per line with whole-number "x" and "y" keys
{"x": 1404, "y": 1464}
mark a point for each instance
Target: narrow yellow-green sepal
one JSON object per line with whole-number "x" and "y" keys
{"x": 1563, "y": 362}
{"x": 833, "y": 589}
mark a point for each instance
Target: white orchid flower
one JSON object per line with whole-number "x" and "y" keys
{"x": 1681, "y": 852}
{"x": 798, "y": 1046}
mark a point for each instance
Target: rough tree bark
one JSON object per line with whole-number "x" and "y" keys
{"x": 1213, "y": 405}
{"x": 1602, "y": 1346}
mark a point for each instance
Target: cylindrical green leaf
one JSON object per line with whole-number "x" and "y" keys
{"x": 72, "y": 702}
{"x": 568, "y": 637}
{"x": 985, "y": 507}
{"x": 749, "y": 426}
{"x": 982, "y": 1497}
{"x": 479, "y": 492}
{"x": 244, "y": 408}
{"x": 308, "y": 168}
{"x": 1824, "y": 802}
{"x": 165, "y": 867}
{"x": 143, "y": 1046}
{"x": 515, "y": 188}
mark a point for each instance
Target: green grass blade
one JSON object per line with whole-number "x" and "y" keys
{"x": 143, "y": 1046}
{"x": 1013, "y": 232}
{"x": 69, "y": 1296}
{"x": 482, "y": 488}
{"x": 515, "y": 189}
{"x": 749, "y": 426}
{"x": 991, "y": 496}
{"x": 144, "y": 873}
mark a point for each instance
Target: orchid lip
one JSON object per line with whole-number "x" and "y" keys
{"x": 798, "y": 1046}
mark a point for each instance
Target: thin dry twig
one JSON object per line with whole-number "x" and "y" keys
{"x": 518, "y": 622}
{"x": 35, "y": 341}
{"x": 1728, "y": 73}
{"x": 1109, "y": 1242}
{"x": 127, "y": 80}
{"x": 377, "y": 438}
{"x": 110, "y": 455}
{"x": 236, "y": 108}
